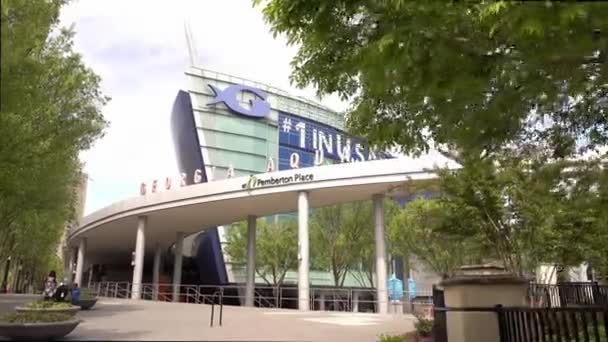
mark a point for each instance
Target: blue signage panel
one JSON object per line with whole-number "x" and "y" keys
{"x": 313, "y": 142}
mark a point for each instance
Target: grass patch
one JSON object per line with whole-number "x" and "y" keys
{"x": 48, "y": 304}
{"x": 35, "y": 317}
{"x": 393, "y": 338}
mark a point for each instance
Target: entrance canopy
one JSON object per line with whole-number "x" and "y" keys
{"x": 111, "y": 231}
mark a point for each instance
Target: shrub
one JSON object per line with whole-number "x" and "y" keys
{"x": 35, "y": 317}
{"x": 48, "y": 304}
{"x": 392, "y": 338}
{"x": 424, "y": 327}
{"x": 87, "y": 294}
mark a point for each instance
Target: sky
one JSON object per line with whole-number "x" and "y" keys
{"x": 138, "y": 47}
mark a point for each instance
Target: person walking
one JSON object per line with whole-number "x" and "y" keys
{"x": 50, "y": 286}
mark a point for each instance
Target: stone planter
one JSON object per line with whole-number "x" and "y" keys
{"x": 86, "y": 304}
{"x": 37, "y": 331}
{"x": 68, "y": 311}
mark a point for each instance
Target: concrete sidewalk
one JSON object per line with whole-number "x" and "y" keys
{"x": 144, "y": 320}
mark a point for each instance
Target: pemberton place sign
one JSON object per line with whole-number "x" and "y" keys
{"x": 302, "y": 143}
{"x": 254, "y": 181}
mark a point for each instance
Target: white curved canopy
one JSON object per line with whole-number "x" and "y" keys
{"x": 111, "y": 231}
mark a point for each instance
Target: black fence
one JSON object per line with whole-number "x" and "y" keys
{"x": 553, "y": 324}
{"x": 568, "y": 294}
{"x": 440, "y": 329}
{"x": 563, "y": 312}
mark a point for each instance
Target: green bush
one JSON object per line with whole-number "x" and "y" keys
{"x": 424, "y": 327}
{"x": 87, "y": 294}
{"x": 392, "y": 338}
{"x": 35, "y": 317}
{"x": 48, "y": 304}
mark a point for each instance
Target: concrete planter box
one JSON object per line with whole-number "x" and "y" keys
{"x": 68, "y": 311}
{"x": 86, "y": 304}
{"x": 37, "y": 331}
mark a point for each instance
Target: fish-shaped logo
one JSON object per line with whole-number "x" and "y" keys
{"x": 259, "y": 107}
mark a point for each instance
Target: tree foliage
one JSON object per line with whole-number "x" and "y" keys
{"x": 342, "y": 238}
{"x": 463, "y": 76}
{"x": 524, "y": 213}
{"x": 50, "y": 110}
{"x": 418, "y": 230}
{"x": 276, "y": 248}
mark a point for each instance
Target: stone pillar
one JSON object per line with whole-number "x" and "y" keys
{"x": 140, "y": 247}
{"x": 250, "y": 282}
{"x": 177, "y": 266}
{"x": 156, "y": 271}
{"x": 82, "y": 247}
{"x": 303, "y": 259}
{"x": 382, "y": 294}
{"x": 480, "y": 286}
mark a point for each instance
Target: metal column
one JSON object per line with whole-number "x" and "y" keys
{"x": 140, "y": 247}
{"x": 156, "y": 271}
{"x": 177, "y": 266}
{"x": 381, "y": 265}
{"x": 303, "y": 258}
{"x": 82, "y": 247}
{"x": 250, "y": 285}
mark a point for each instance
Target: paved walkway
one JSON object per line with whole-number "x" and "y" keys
{"x": 116, "y": 319}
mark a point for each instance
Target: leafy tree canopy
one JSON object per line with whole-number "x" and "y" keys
{"x": 276, "y": 248}
{"x": 50, "y": 110}
{"x": 463, "y": 76}
{"x": 418, "y": 230}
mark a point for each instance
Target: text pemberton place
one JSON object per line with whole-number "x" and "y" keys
{"x": 254, "y": 182}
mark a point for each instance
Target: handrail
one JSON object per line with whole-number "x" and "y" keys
{"x": 333, "y": 299}
{"x": 219, "y": 293}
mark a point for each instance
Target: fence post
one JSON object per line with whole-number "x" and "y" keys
{"x": 480, "y": 289}
{"x": 501, "y": 322}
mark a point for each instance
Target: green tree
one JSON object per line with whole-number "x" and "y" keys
{"x": 50, "y": 110}
{"x": 417, "y": 230}
{"x": 341, "y": 237}
{"x": 525, "y": 213}
{"x": 276, "y": 248}
{"x": 462, "y": 76}
{"x": 514, "y": 91}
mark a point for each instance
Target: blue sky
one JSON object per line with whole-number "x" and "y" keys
{"x": 138, "y": 48}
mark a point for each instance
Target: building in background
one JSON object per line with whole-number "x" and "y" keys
{"x": 226, "y": 126}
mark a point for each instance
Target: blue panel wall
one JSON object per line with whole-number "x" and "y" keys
{"x": 209, "y": 258}
{"x": 304, "y": 136}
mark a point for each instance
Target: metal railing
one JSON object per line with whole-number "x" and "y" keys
{"x": 553, "y": 324}
{"x": 567, "y": 294}
{"x": 321, "y": 298}
{"x": 217, "y": 297}
{"x": 561, "y": 312}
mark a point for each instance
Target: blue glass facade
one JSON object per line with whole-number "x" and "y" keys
{"x": 309, "y": 140}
